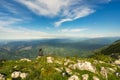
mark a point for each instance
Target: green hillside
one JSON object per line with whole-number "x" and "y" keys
{"x": 57, "y": 68}
{"x": 112, "y": 49}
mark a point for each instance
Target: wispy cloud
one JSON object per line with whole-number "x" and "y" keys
{"x": 73, "y": 30}
{"x": 8, "y": 30}
{"x": 21, "y": 33}
{"x": 66, "y": 10}
{"x": 77, "y": 14}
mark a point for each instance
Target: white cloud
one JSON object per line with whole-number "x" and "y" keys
{"x": 66, "y": 10}
{"x": 45, "y": 7}
{"x": 8, "y": 31}
{"x": 77, "y": 14}
{"x": 21, "y": 33}
{"x": 73, "y": 30}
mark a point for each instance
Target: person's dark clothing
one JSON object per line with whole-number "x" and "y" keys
{"x": 40, "y": 52}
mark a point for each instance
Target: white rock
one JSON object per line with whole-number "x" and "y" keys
{"x": 38, "y": 57}
{"x": 117, "y": 62}
{"x": 69, "y": 71}
{"x": 16, "y": 74}
{"x": 101, "y": 62}
{"x": 50, "y": 59}
{"x": 23, "y": 75}
{"x": 2, "y": 77}
{"x": 74, "y": 77}
{"x": 85, "y": 66}
{"x": 111, "y": 69}
{"x": 95, "y": 78}
{"x": 25, "y": 59}
{"x": 85, "y": 77}
{"x": 103, "y": 72}
{"x": 57, "y": 69}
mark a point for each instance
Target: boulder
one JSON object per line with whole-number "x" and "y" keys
{"x": 85, "y": 66}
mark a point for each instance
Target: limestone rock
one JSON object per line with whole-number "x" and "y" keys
{"x": 69, "y": 71}
{"x": 2, "y": 77}
{"x": 95, "y": 78}
{"x": 85, "y": 66}
{"x": 15, "y": 74}
{"x": 117, "y": 62}
{"x": 103, "y": 72}
{"x": 25, "y": 59}
{"x": 23, "y": 75}
{"x": 85, "y": 77}
{"x": 74, "y": 77}
{"x": 50, "y": 59}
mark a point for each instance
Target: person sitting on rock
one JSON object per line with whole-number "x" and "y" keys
{"x": 40, "y": 52}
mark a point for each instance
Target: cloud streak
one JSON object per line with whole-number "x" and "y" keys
{"x": 66, "y": 10}
{"x": 73, "y": 30}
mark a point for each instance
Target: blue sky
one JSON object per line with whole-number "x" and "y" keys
{"x": 38, "y": 19}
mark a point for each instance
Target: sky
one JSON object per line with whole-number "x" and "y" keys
{"x": 44, "y": 19}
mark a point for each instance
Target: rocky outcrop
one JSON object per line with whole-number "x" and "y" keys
{"x": 85, "y": 66}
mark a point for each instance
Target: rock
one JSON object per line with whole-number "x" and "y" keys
{"x": 57, "y": 69}
{"x": 95, "y": 78}
{"x": 85, "y": 66}
{"x": 38, "y": 57}
{"x": 112, "y": 70}
{"x": 25, "y": 59}
{"x": 117, "y": 62}
{"x": 69, "y": 71}
{"x": 16, "y": 74}
{"x": 2, "y": 77}
{"x": 23, "y": 75}
{"x": 103, "y": 72}
{"x": 85, "y": 77}
{"x": 50, "y": 59}
{"x": 74, "y": 77}
{"x": 101, "y": 62}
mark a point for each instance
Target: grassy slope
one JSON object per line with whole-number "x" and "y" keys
{"x": 39, "y": 69}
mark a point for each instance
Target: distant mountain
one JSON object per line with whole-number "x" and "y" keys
{"x": 104, "y": 40}
{"x": 60, "y": 47}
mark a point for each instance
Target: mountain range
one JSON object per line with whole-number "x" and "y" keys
{"x": 61, "y": 47}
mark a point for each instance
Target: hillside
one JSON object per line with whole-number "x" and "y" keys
{"x": 57, "y": 68}
{"x": 112, "y": 49}
{"x": 59, "y": 47}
